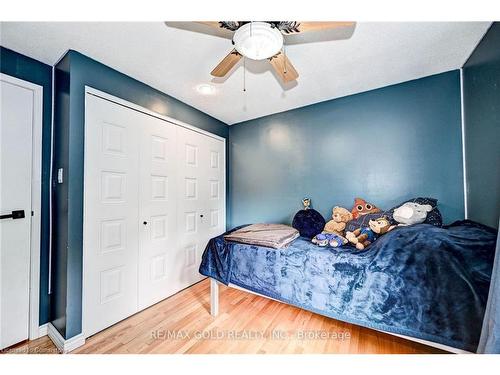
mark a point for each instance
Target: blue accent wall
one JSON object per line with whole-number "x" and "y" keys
{"x": 28, "y": 69}
{"x": 73, "y": 73}
{"x": 384, "y": 145}
{"x": 481, "y": 81}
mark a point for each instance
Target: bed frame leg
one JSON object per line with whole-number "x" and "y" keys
{"x": 214, "y": 297}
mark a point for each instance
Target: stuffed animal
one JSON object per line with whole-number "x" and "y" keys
{"x": 381, "y": 226}
{"x": 362, "y": 207}
{"x": 333, "y": 232}
{"x": 308, "y": 221}
{"x": 411, "y": 213}
{"x": 331, "y": 239}
{"x": 340, "y": 217}
{"x": 362, "y": 237}
{"x": 307, "y": 203}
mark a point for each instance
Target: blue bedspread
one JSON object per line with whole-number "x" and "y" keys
{"x": 420, "y": 281}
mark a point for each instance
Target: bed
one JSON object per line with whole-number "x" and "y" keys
{"x": 423, "y": 282}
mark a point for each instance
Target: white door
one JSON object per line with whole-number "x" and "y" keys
{"x": 201, "y": 195}
{"x": 154, "y": 196}
{"x": 111, "y": 213}
{"x": 157, "y": 210}
{"x": 16, "y": 124}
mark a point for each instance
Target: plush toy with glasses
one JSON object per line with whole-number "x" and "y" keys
{"x": 362, "y": 207}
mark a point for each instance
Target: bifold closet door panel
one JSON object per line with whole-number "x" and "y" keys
{"x": 191, "y": 205}
{"x": 216, "y": 174}
{"x": 200, "y": 200}
{"x": 111, "y": 217}
{"x": 157, "y": 211}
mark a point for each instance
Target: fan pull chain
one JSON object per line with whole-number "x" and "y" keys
{"x": 284, "y": 55}
{"x": 244, "y": 73}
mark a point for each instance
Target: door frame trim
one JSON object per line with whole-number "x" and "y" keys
{"x": 36, "y": 199}
{"x": 103, "y": 95}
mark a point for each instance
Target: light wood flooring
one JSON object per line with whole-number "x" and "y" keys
{"x": 246, "y": 323}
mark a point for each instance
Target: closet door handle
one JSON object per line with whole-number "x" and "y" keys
{"x": 145, "y": 222}
{"x": 201, "y": 215}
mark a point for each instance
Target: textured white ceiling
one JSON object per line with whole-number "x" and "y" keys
{"x": 175, "y": 58}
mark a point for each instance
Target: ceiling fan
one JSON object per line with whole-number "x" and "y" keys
{"x": 263, "y": 40}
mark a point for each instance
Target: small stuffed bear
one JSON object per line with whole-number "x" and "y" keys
{"x": 333, "y": 232}
{"x": 362, "y": 237}
{"x": 340, "y": 217}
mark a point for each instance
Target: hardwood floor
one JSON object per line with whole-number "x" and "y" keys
{"x": 246, "y": 324}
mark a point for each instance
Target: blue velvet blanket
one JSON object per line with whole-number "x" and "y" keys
{"x": 420, "y": 281}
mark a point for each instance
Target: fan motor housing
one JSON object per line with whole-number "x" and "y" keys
{"x": 258, "y": 40}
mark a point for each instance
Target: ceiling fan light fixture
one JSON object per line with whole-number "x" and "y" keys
{"x": 258, "y": 40}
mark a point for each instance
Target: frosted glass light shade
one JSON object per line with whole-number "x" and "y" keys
{"x": 258, "y": 40}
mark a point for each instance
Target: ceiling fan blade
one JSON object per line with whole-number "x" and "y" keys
{"x": 226, "y": 25}
{"x": 302, "y": 27}
{"x": 226, "y": 64}
{"x": 284, "y": 67}
{"x": 210, "y": 23}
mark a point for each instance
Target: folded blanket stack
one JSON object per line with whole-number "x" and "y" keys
{"x": 268, "y": 235}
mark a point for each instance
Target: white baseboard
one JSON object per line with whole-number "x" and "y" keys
{"x": 43, "y": 330}
{"x": 64, "y": 346}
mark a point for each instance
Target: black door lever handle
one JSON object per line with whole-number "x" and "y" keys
{"x": 19, "y": 214}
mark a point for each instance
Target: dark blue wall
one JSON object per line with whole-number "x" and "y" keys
{"x": 481, "y": 80}
{"x": 82, "y": 71}
{"x": 28, "y": 69}
{"x": 385, "y": 145}
{"x": 60, "y": 195}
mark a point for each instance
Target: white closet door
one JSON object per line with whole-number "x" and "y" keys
{"x": 214, "y": 164}
{"x": 200, "y": 193}
{"x": 157, "y": 210}
{"x": 111, "y": 213}
{"x": 154, "y": 196}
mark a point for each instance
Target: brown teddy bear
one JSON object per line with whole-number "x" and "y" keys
{"x": 340, "y": 216}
